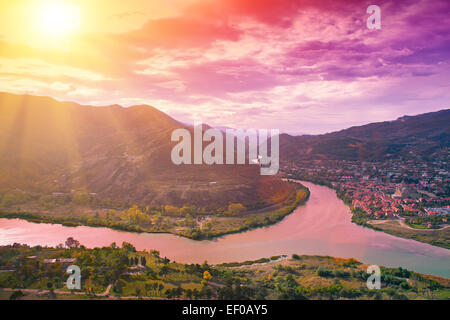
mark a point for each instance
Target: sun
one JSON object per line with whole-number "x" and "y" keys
{"x": 58, "y": 19}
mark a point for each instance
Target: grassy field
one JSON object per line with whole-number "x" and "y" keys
{"x": 417, "y": 226}
{"x": 435, "y": 237}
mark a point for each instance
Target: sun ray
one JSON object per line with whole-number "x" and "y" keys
{"x": 57, "y": 18}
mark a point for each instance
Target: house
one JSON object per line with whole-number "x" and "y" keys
{"x": 8, "y": 267}
{"x": 388, "y": 213}
{"x": 437, "y": 211}
{"x": 135, "y": 270}
{"x": 49, "y": 261}
{"x": 67, "y": 261}
{"x": 61, "y": 260}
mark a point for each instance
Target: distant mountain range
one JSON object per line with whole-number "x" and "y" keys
{"x": 123, "y": 154}
{"x": 116, "y": 153}
{"x": 422, "y": 134}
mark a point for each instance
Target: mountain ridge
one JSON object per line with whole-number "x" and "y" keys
{"x": 118, "y": 153}
{"x": 421, "y": 134}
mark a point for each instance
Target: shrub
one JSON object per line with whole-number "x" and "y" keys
{"x": 324, "y": 273}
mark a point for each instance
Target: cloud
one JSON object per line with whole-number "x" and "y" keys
{"x": 179, "y": 32}
{"x": 127, "y": 14}
{"x": 271, "y": 63}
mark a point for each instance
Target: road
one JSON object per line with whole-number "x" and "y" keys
{"x": 104, "y": 294}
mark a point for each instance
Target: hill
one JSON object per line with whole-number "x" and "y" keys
{"x": 117, "y": 156}
{"x": 422, "y": 134}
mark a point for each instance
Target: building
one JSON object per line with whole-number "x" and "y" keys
{"x": 437, "y": 211}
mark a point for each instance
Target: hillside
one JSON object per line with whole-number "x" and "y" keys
{"x": 147, "y": 275}
{"x": 118, "y": 156}
{"x": 421, "y": 134}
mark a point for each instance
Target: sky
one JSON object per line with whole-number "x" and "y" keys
{"x": 304, "y": 66}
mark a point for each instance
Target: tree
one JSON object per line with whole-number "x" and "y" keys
{"x": 119, "y": 286}
{"x": 235, "y": 209}
{"x": 16, "y": 295}
{"x": 155, "y": 253}
{"x": 188, "y": 293}
{"x": 171, "y": 210}
{"x": 188, "y": 210}
{"x": 143, "y": 261}
{"x": 128, "y": 247}
{"x": 81, "y": 198}
{"x": 207, "y": 226}
{"x": 207, "y": 275}
{"x": 164, "y": 270}
{"x": 71, "y": 243}
{"x": 138, "y": 291}
{"x": 148, "y": 288}
{"x": 136, "y": 216}
{"x": 89, "y": 285}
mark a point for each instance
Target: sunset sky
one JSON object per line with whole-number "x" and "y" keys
{"x": 298, "y": 66}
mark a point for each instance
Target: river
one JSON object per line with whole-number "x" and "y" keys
{"x": 320, "y": 227}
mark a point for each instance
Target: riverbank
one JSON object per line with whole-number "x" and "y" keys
{"x": 439, "y": 238}
{"x": 203, "y": 228}
{"x": 322, "y": 226}
{"x": 125, "y": 273}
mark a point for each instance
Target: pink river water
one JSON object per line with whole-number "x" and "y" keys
{"x": 320, "y": 227}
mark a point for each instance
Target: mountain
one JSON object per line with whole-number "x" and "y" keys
{"x": 120, "y": 155}
{"x": 422, "y": 134}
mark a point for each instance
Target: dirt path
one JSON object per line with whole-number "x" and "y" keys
{"x": 38, "y": 291}
{"x": 104, "y": 294}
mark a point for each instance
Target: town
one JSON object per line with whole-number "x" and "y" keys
{"x": 413, "y": 190}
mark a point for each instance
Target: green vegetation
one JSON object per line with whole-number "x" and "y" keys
{"x": 435, "y": 237}
{"x": 250, "y": 262}
{"x": 122, "y": 272}
{"x": 187, "y": 221}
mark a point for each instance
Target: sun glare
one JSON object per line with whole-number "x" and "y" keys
{"x": 58, "y": 19}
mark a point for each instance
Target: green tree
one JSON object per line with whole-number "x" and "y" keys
{"x": 235, "y": 209}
